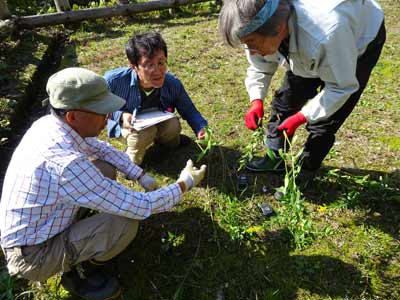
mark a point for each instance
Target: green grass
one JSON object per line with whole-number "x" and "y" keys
{"x": 216, "y": 244}
{"x": 19, "y": 60}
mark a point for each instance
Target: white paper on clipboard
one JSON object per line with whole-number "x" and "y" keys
{"x": 149, "y": 118}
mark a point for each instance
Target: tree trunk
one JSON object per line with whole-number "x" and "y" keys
{"x": 4, "y": 12}
{"x": 62, "y": 5}
{"x": 96, "y": 13}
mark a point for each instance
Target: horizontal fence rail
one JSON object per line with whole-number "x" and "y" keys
{"x": 96, "y": 13}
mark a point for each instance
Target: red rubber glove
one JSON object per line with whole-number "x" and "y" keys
{"x": 254, "y": 115}
{"x": 201, "y": 134}
{"x": 290, "y": 124}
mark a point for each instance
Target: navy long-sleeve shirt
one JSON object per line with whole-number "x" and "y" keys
{"x": 124, "y": 82}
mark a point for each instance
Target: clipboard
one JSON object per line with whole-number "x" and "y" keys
{"x": 149, "y": 118}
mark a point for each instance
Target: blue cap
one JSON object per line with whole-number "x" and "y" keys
{"x": 260, "y": 18}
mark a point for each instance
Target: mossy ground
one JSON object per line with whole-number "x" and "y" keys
{"x": 216, "y": 244}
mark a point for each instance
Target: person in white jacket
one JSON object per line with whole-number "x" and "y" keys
{"x": 329, "y": 49}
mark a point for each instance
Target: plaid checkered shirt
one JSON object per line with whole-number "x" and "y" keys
{"x": 50, "y": 176}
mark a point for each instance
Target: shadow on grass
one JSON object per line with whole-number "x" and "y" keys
{"x": 22, "y": 80}
{"x": 222, "y": 168}
{"x": 185, "y": 255}
{"x": 376, "y": 192}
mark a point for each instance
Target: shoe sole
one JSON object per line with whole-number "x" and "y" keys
{"x": 265, "y": 170}
{"x": 114, "y": 296}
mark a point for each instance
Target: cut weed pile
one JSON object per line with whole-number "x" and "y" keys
{"x": 216, "y": 244}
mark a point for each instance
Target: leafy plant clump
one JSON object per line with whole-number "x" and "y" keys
{"x": 293, "y": 214}
{"x": 255, "y": 143}
{"x": 206, "y": 144}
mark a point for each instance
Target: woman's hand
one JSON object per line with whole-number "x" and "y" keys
{"x": 126, "y": 120}
{"x": 201, "y": 134}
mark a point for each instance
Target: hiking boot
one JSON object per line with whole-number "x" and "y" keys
{"x": 97, "y": 286}
{"x": 268, "y": 163}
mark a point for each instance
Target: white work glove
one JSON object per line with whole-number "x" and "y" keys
{"x": 148, "y": 183}
{"x": 191, "y": 176}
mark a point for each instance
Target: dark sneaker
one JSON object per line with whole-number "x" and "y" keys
{"x": 266, "y": 164}
{"x": 305, "y": 179}
{"x": 96, "y": 287}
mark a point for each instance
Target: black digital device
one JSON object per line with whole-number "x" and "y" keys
{"x": 266, "y": 209}
{"x": 242, "y": 182}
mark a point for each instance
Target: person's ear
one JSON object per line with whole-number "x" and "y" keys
{"x": 134, "y": 67}
{"x": 70, "y": 117}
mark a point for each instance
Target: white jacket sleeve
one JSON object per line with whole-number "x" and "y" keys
{"x": 259, "y": 74}
{"x": 337, "y": 68}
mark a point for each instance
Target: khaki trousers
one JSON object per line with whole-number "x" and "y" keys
{"x": 99, "y": 237}
{"x": 165, "y": 133}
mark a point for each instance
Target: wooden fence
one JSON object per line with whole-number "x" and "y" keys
{"x": 66, "y": 15}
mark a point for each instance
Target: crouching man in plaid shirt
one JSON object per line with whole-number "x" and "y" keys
{"x": 59, "y": 169}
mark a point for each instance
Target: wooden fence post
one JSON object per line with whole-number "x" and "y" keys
{"x": 101, "y": 12}
{"x": 4, "y": 12}
{"x": 62, "y": 5}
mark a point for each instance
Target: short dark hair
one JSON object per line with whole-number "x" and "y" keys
{"x": 145, "y": 44}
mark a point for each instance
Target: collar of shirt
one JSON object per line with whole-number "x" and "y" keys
{"x": 134, "y": 78}
{"x": 292, "y": 27}
{"x": 148, "y": 93}
{"x": 78, "y": 142}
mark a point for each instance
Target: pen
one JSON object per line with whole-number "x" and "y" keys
{"x": 133, "y": 119}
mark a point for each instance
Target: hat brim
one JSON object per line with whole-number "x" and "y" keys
{"x": 105, "y": 103}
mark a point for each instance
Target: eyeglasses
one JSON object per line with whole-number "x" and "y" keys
{"x": 105, "y": 116}
{"x": 153, "y": 67}
{"x": 245, "y": 47}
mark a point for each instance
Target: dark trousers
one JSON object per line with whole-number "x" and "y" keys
{"x": 296, "y": 91}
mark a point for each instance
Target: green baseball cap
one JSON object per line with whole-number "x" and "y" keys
{"x": 79, "y": 88}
